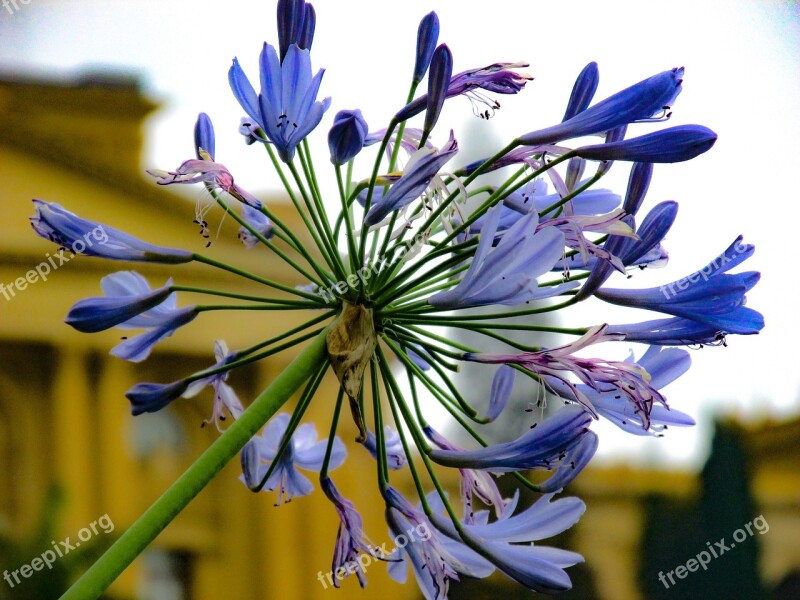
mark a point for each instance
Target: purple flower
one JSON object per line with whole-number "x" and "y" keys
{"x": 674, "y": 144}
{"x": 53, "y": 222}
{"x": 497, "y": 78}
{"x": 663, "y": 366}
{"x": 347, "y": 135}
{"x": 562, "y": 443}
{"x": 350, "y": 540}
{"x": 286, "y": 109}
{"x": 629, "y": 380}
{"x": 640, "y": 102}
{"x": 206, "y": 171}
{"x": 427, "y": 36}
{"x": 710, "y": 295}
{"x": 302, "y": 451}
{"x": 423, "y": 166}
{"x": 506, "y": 274}
{"x": 258, "y": 221}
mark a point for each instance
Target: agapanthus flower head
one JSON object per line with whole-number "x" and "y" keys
{"x": 383, "y": 287}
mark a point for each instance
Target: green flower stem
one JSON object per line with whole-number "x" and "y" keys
{"x": 448, "y": 320}
{"x": 351, "y": 242}
{"x": 286, "y": 334}
{"x": 380, "y": 443}
{"x": 273, "y": 284}
{"x": 139, "y": 535}
{"x": 196, "y": 290}
{"x": 317, "y": 231}
{"x": 323, "y": 472}
{"x": 264, "y": 240}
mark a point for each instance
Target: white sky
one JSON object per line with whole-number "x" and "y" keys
{"x": 742, "y": 66}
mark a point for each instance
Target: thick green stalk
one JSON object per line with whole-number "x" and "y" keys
{"x": 117, "y": 558}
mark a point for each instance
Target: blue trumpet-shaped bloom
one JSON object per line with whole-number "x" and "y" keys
{"x": 303, "y": 451}
{"x": 152, "y": 397}
{"x": 53, "y": 222}
{"x": 674, "y": 144}
{"x": 562, "y": 443}
{"x": 347, "y": 136}
{"x": 710, "y": 295}
{"x": 677, "y": 331}
{"x": 642, "y": 101}
{"x": 159, "y": 321}
{"x": 423, "y": 166}
{"x": 287, "y": 108}
{"x": 664, "y": 366}
{"x": 504, "y": 541}
{"x": 506, "y": 273}
{"x": 500, "y": 392}
{"x": 395, "y": 455}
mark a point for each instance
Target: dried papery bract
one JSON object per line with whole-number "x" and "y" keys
{"x": 351, "y": 341}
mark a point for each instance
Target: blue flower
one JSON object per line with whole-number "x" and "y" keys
{"x": 395, "y": 455}
{"x": 152, "y": 397}
{"x": 420, "y": 170}
{"x": 506, "y": 274}
{"x": 296, "y": 23}
{"x": 438, "y": 82}
{"x": 303, "y": 451}
{"x": 562, "y": 442}
{"x": 504, "y": 542}
{"x": 53, "y": 222}
{"x": 664, "y": 366}
{"x": 677, "y": 331}
{"x": 674, "y": 144}
{"x": 710, "y": 295}
{"x": 204, "y": 141}
{"x": 131, "y": 304}
{"x": 632, "y": 250}
{"x": 347, "y": 135}
{"x": 640, "y": 102}
{"x": 427, "y": 36}
{"x": 286, "y": 109}
{"x": 125, "y": 299}
{"x": 583, "y": 91}
{"x": 500, "y": 392}
{"x": 258, "y": 221}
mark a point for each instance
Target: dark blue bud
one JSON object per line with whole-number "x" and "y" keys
{"x": 583, "y": 91}
{"x": 347, "y": 135}
{"x": 296, "y": 22}
{"x": 151, "y": 397}
{"x": 638, "y": 182}
{"x": 438, "y": 82}
{"x": 674, "y": 144}
{"x": 204, "y": 136}
{"x": 427, "y": 36}
{"x": 309, "y": 24}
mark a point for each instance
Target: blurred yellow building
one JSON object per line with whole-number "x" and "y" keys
{"x": 64, "y": 419}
